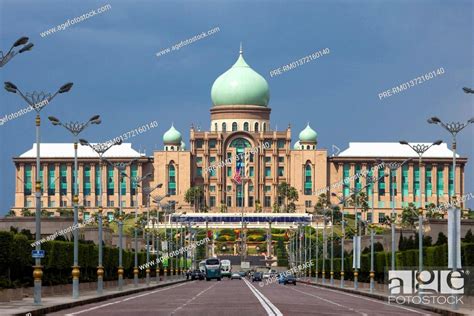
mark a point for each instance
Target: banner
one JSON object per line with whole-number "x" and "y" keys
{"x": 454, "y": 237}
{"x": 356, "y": 253}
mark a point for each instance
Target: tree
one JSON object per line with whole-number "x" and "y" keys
{"x": 442, "y": 239}
{"x": 11, "y": 213}
{"x": 408, "y": 216}
{"x": 26, "y": 212}
{"x": 258, "y": 206}
{"x": 276, "y": 208}
{"x": 433, "y": 212}
{"x": 469, "y": 238}
{"x": 289, "y": 194}
{"x": 193, "y": 196}
{"x": 223, "y": 207}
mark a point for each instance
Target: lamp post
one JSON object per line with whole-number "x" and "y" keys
{"x": 75, "y": 128}
{"x": 420, "y": 149}
{"x": 37, "y": 101}
{"x": 120, "y": 166}
{"x": 136, "y": 180}
{"x": 342, "y": 201}
{"x": 4, "y": 59}
{"x": 100, "y": 149}
{"x": 147, "y": 191}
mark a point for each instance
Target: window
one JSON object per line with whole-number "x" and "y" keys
{"x": 229, "y": 201}
{"x": 381, "y": 217}
{"x": 308, "y": 203}
{"x": 212, "y": 161}
{"x": 268, "y": 159}
{"x": 357, "y": 181}
{"x": 250, "y": 188}
{"x": 199, "y": 160}
{"x": 123, "y": 185}
{"x": 428, "y": 181}
{"x": 281, "y": 143}
{"x": 215, "y": 127}
{"x": 52, "y": 180}
{"x": 229, "y": 188}
{"x": 268, "y": 143}
{"x": 250, "y": 201}
{"x": 229, "y": 171}
{"x": 87, "y": 215}
{"x": 308, "y": 183}
{"x": 256, "y": 127}
{"x": 369, "y": 217}
{"x": 212, "y": 201}
{"x": 199, "y": 143}
{"x": 41, "y": 179}
{"x": 281, "y": 159}
{"x": 281, "y": 171}
{"x": 268, "y": 188}
{"x": 393, "y": 182}
{"x": 87, "y": 179}
{"x": 381, "y": 184}
{"x": 212, "y": 143}
{"x": 134, "y": 175}
{"x": 110, "y": 180}
{"x": 268, "y": 171}
{"x": 264, "y": 127}
{"x": 251, "y": 171}
{"x": 224, "y": 127}
{"x": 171, "y": 179}
{"x": 346, "y": 179}
{"x": 416, "y": 182}
{"x": 63, "y": 175}
{"x": 212, "y": 188}
{"x": 440, "y": 181}
{"x": 251, "y": 157}
{"x": 110, "y": 203}
{"x": 370, "y": 185}
{"x": 267, "y": 202}
{"x": 199, "y": 171}
{"x": 246, "y": 126}
{"x": 404, "y": 181}
{"x": 63, "y": 203}
{"x": 97, "y": 180}
{"x": 234, "y": 126}
{"x": 27, "y": 183}
{"x": 451, "y": 181}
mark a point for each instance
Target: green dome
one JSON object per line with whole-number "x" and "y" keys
{"x": 183, "y": 145}
{"x": 297, "y": 145}
{"x": 308, "y": 135}
{"x": 172, "y": 136}
{"x": 240, "y": 85}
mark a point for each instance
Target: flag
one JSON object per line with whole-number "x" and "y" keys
{"x": 237, "y": 177}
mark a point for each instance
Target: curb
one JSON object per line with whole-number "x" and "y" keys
{"x": 58, "y": 307}
{"x": 382, "y": 297}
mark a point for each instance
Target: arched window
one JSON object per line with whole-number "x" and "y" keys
{"x": 215, "y": 127}
{"x": 171, "y": 179}
{"x": 308, "y": 183}
{"x": 224, "y": 127}
{"x": 264, "y": 127}
{"x": 234, "y": 126}
{"x": 246, "y": 126}
{"x": 308, "y": 147}
{"x": 172, "y": 147}
{"x": 256, "y": 126}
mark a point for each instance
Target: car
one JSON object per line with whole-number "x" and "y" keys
{"x": 281, "y": 279}
{"x": 197, "y": 274}
{"x": 266, "y": 275}
{"x": 236, "y": 276}
{"x": 242, "y": 274}
{"x": 290, "y": 279}
{"x": 257, "y": 276}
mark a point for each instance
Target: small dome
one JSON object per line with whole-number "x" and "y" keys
{"x": 297, "y": 145}
{"x": 172, "y": 136}
{"x": 240, "y": 85}
{"x": 183, "y": 145}
{"x": 308, "y": 135}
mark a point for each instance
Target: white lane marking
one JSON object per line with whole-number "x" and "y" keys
{"x": 370, "y": 299}
{"x": 126, "y": 299}
{"x": 193, "y": 298}
{"x": 271, "y": 309}
{"x": 331, "y": 302}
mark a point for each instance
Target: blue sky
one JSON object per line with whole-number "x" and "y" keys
{"x": 375, "y": 45}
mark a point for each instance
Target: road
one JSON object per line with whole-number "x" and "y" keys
{"x": 241, "y": 297}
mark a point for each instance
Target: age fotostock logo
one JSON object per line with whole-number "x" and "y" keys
{"x": 426, "y": 287}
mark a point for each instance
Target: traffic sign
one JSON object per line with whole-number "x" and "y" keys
{"x": 37, "y": 254}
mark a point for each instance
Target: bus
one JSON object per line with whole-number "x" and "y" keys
{"x": 202, "y": 266}
{"x": 213, "y": 269}
{"x": 226, "y": 268}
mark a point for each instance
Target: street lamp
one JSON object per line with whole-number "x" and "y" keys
{"x": 468, "y": 90}
{"x": 75, "y": 128}
{"x": 454, "y": 218}
{"x": 420, "y": 149}
{"x": 4, "y": 59}
{"x": 137, "y": 180}
{"x": 33, "y": 99}
{"x": 120, "y": 166}
{"x": 100, "y": 149}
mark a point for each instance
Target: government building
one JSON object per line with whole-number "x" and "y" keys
{"x": 239, "y": 127}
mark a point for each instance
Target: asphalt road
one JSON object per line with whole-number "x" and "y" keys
{"x": 241, "y": 297}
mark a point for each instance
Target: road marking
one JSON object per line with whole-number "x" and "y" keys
{"x": 371, "y": 300}
{"x": 193, "y": 298}
{"x": 271, "y": 309}
{"x": 331, "y": 302}
{"x": 124, "y": 300}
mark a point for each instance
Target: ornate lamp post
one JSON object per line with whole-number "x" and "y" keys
{"x": 4, "y": 59}
{"x": 75, "y": 128}
{"x": 37, "y": 100}
{"x": 100, "y": 149}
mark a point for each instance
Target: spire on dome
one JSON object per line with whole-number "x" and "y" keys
{"x": 241, "y": 51}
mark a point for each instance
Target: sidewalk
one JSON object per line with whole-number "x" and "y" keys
{"x": 380, "y": 293}
{"x": 55, "y": 303}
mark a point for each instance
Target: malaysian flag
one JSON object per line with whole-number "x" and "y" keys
{"x": 237, "y": 177}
